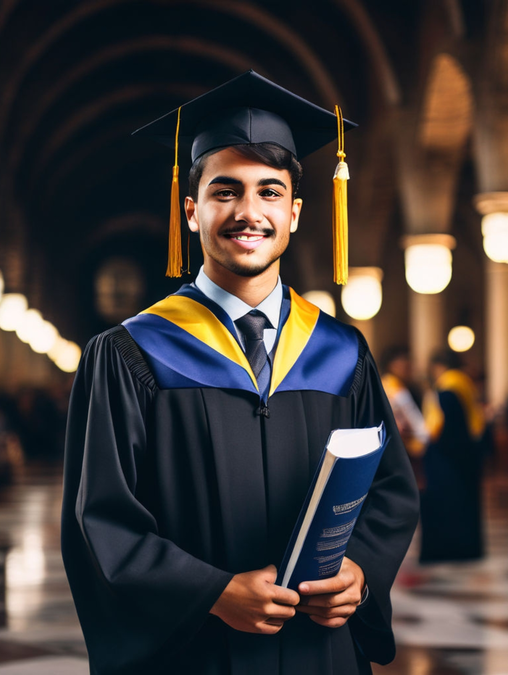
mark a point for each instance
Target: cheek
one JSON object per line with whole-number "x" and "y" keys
{"x": 216, "y": 213}
{"x": 283, "y": 214}
{"x": 283, "y": 220}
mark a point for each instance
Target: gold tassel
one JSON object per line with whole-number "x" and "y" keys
{"x": 340, "y": 224}
{"x": 174, "y": 268}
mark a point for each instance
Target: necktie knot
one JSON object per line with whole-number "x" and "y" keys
{"x": 253, "y": 324}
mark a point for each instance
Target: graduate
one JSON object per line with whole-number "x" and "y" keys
{"x": 196, "y": 426}
{"x": 451, "y": 517}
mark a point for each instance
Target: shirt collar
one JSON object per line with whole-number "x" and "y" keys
{"x": 237, "y": 308}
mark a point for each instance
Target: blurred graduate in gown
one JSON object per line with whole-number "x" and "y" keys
{"x": 451, "y": 503}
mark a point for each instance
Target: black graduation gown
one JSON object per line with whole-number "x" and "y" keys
{"x": 170, "y": 491}
{"x": 452, "y": 501}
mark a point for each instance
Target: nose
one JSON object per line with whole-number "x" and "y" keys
{"x": 248, "y": 210}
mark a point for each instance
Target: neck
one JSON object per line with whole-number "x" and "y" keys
{"x": 251, "y": 290}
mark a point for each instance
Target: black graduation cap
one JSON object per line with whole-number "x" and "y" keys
{"x": 247, "y": 109}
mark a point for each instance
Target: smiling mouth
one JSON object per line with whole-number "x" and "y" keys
{"x": 243, "y": 235}
{"x": 248, "y": 240}
{"x": 247, "y": 237}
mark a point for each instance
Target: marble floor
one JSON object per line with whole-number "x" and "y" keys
{"x": 449, "y": 619}
{"x": 453, "y": 619}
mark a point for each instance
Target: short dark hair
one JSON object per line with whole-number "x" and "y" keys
{"x": 266, "y": 153}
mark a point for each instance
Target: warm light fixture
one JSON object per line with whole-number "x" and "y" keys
{"x": 428, "y": 260}
{"x": 495, "y": 236}
{"x": 41, "y": 335}
{"x": 363, "y": 295}
{"x": 28, "y": 324}
{"x": 323, "y": 300}
{"x": 12, "y": 308}
{"x": 65, "y": 355}
{"x": 461, "y": 338}
{"x": 493, "y": 207}
{"x": 44, "y": 338}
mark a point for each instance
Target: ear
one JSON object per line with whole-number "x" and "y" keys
{"x": 295, "y": 214}
{"x": 191, "y": 211}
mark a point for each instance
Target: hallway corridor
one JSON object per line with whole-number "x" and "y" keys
{"x": 449, "y": 619}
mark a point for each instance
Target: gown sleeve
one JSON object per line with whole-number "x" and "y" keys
{"x": 388, "y": 519}
{"x": 134, "y": 590}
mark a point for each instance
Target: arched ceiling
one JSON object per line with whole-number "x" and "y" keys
{"x": 447, "y": 116}
{"x": 78, "y": 77}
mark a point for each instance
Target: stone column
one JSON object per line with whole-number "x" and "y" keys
{"x": 490, "y": 143}
{"x": 496, "y": 309}
{"x": 496, "y": 328}
{"x": 426, "y": 330}
{"x": 429, "y": 160}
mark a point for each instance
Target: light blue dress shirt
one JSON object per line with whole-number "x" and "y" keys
{"x": 236, "y": 308}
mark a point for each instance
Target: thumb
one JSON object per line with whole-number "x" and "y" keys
{"x": 269, "y": 573}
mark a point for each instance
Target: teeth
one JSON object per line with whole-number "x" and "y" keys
{"x": 244, "y": 237}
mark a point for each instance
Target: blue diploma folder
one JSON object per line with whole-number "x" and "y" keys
{"x": 334, "y": 501}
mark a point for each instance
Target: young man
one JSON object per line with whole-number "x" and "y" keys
{"x": 195, "y": 429}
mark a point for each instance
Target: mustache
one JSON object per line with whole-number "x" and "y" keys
{"x": 265, "y": 231}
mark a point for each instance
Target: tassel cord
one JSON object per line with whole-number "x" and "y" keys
{"x": 339, "y": 214}
{"x": 174, "y": 268}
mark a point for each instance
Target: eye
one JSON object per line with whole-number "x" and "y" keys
{"x": 225, "y": 193}
{"x": 270, "y": 192}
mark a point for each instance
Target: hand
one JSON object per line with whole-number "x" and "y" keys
{"x": 252, "y": 603}
{"x": 330, "y": 602}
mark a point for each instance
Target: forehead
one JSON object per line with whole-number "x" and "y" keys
{"x": 229, "y": 162}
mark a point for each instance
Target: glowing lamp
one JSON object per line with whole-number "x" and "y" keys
{"x": 461, "y": 338}
{"x": 44, "y": 338}
{"x": 12, "y": 308}
{"x": 428, "y": 261}
{"x": 29, "y": 324}
{"x": 65, "y": 355}
{"x": 363, "y": 295}
{"x": 323, "y": 300}
{"x": 495, "y": 236}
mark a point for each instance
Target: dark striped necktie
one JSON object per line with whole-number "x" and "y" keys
{"x": 252, "y": 326}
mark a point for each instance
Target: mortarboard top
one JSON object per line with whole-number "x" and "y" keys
{"x": 247, "y": 109}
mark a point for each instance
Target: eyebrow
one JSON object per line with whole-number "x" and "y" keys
{"x": 227, "y": 180}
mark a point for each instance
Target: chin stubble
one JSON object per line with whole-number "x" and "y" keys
{"x": 242, "y": 271}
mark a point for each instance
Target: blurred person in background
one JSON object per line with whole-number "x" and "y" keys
{"x": 399, "y": 387}
{"x": 451, "y": 515}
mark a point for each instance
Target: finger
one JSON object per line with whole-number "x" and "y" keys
{"x": 268, "y": 629}
{"x": 349, "y": 597}
{"x": 324, "y": 586}
{"x": 329, "y": 600}
{"x": 270, "y": 573}
{"x": 283, "y": 612}
{"x": 328, "y": 612}
{"x": 329, "y": 623}
{"x": 275, "y": 624}
{"x": 285, "y": 596}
